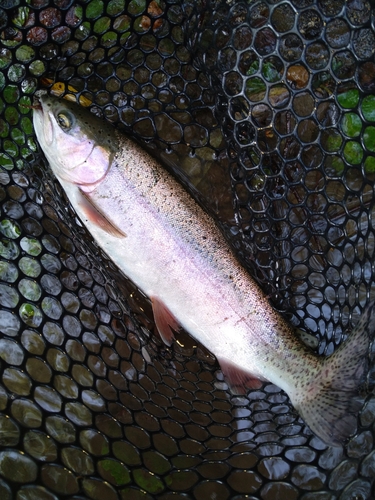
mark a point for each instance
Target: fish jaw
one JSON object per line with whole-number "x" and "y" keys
{"x": 73, "y": 154}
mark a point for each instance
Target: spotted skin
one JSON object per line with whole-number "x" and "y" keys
{"x": 176, "y": 255}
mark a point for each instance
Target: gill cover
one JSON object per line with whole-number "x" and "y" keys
{"x": 79, "y": 146}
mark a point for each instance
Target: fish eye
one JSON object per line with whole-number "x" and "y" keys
{"x": 64, "y": 121}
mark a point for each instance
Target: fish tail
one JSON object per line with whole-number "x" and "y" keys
{"x": 331, "y": 404}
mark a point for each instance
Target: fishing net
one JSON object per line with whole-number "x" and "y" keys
{"x": 266, "y": 111}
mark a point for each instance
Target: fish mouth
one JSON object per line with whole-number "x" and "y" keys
{"x": 37, "y": 101}
{"x": 42, "y": 120}
{"x": 36, "y": 105}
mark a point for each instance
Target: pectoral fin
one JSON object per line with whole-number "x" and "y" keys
{"x": 165, "y": 321}
{"x": 96, "y": 217}
{"x": 239, "y": 381}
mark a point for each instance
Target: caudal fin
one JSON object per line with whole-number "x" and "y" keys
{"x": 331, "y": 407}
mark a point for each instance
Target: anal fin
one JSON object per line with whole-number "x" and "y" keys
{"x": 96, "y": 217}
{"x": 239, "y": 380}
{"x": 165, "y": 321}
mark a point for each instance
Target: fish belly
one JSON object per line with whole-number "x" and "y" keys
{"x": 173, "y": 251}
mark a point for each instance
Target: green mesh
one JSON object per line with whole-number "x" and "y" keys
{"x": 266, "y": 111}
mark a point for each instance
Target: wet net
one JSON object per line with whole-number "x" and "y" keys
{"x": 266, "y": 111}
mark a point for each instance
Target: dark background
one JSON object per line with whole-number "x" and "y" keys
{"x": 266, "y": 112}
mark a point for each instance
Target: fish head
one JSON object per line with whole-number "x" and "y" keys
{"x": 79, "y": 146}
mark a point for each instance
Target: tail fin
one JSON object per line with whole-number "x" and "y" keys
{"x": 331, "y": 408}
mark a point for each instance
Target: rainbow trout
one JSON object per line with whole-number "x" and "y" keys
{"x": 172, "y": 250}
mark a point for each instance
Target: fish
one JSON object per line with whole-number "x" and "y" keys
{"x": 162, "y": 240}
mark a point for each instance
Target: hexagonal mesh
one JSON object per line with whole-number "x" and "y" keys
{"x": 266, "y": 109}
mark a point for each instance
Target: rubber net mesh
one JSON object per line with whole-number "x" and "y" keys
{"x": 266, "y": 110}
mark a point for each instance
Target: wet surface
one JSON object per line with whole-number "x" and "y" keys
{"x": 267, "y": 110}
